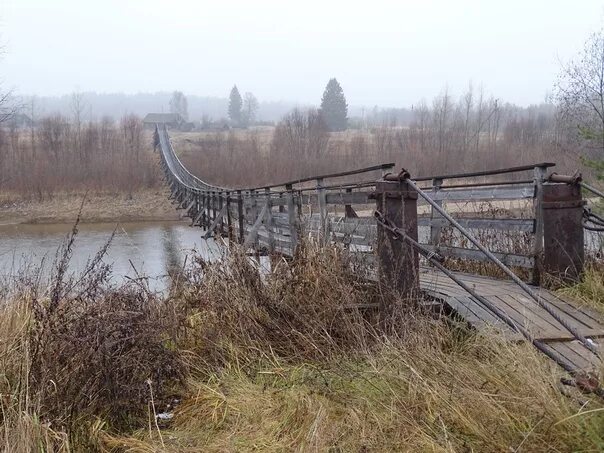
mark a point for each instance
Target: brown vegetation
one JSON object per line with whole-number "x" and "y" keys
{"x": 99, "y": 206}
{"x": 273, "y": 361}
{"x": 471, "y": 134}
{"x": 59, "y": 155}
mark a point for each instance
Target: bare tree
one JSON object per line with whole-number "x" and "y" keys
{"x": 179, "y": 104}
{"x": 78, "y": 106}
{"x": 301, "y": 134}
{"x": 250, "y": 108}
{"x": 580, "y": 94}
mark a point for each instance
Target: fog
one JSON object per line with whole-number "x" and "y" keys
{"x": 383, "y": 52}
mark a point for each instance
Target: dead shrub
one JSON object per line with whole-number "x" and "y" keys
{"x": 95, "y": 349}
{"x": 308, "y": 308}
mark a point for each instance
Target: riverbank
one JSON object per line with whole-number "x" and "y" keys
{"x": 98, "y": 207}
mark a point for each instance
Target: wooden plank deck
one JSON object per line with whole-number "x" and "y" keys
{"x": 510, "y": 298}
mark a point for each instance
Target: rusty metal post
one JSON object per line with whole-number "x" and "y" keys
{"x": 398, "y": 262}
{"x": 563, "y": 241}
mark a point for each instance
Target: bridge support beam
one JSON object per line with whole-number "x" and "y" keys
{"x": 563, "y": 242}
{"x": 398, "y": 262}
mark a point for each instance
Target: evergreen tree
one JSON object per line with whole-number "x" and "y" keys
{"x": 235, "y": 104}
{"x": 333, "y": 106}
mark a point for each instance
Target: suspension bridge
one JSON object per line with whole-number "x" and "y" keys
{"x": 525, "y": 224}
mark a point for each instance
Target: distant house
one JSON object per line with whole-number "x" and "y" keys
{"x": 173, "y": 120}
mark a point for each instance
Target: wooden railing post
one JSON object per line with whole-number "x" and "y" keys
{"x": 322, "y": 198}
{"x": 563, "y": 241}
{"x": 398, "y": 262}
{"x": 539, "y": 174}
{"x": 220, "y": 205}
{"x": 269, "y": 221}
{"x": 204, "y": 205}
{"x": 292, "y": 217}
{"x": 240, "y": 217}
{"x": 435, "y": 218}
{"x": 229, "y": 216}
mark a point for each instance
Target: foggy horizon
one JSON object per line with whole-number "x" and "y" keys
{"x": 390, "y": 55}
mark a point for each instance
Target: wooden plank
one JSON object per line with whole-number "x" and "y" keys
{"x": 349, "y": 198}
{"x": 485, "y": 194}
{"x": 197, "y": 217}
{"x": 577, "y": 359}
{"x": 583, "y": 316}
{"x": 215, "y": 223}
{"x": 526, "y": 225}
{"x": 484, "y": 317}
{"x": 562, "y": 336}
{"x": 531, "y": 313}
{"x": 352, "y": 239}
{"x": 508, "y": 259}
{"x": 582, "y": 351}
{"x": 253, "y": 234}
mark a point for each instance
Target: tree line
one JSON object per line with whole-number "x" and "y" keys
{"x": 64, "y": 154}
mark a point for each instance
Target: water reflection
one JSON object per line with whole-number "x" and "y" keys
{"x": 154, "y": 249}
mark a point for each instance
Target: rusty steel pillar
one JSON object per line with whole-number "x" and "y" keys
{"x": 563, "y": 241}
{"x": 398, "y": 262}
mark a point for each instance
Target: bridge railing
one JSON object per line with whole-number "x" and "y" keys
{"x": 507, "y": 209}
{"x": 505, "y": 214}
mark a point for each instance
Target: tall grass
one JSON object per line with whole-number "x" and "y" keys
{"x": 286, "y": 360}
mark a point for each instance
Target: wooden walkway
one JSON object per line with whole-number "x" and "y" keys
{"x": 510, "y": 298}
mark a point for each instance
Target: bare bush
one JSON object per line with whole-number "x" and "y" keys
{"x": 63, "y": 156}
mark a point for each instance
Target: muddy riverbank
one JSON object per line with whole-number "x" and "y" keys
{"x": 96, "y": 207}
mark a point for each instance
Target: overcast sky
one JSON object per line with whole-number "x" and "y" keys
{"x": 390, "y": 53}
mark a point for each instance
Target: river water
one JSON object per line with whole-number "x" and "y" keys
{"x": 152, "y": 248}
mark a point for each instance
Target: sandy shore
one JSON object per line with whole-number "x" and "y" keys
{"x": 146, "y": 205}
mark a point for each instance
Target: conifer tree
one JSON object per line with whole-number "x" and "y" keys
{"x": 333, "y": 106}
{"x": 235, "y": 104}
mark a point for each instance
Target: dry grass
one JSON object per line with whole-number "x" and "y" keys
{"x": 102, "y": 206}
{"x": 279, "y": 361}
{"x": 590, "y": 291}
{"x": 79, "y": 355}
{"x": 285, "y": 365}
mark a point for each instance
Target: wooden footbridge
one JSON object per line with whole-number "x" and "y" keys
{"x": 525, "y": 224}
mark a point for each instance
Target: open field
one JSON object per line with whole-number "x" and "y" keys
{"x": 97, "y": 206}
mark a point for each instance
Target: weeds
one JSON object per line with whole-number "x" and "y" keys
{"x": 278, "y": 361}
{"x": 79, "y": 351}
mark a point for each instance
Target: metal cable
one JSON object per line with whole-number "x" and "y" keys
{"x": 429, "y": 255}
{"x": 592, "y": 221}
{"x": 589, "y": 344}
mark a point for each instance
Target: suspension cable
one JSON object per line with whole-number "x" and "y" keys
{"x": 589, "y": 344}
{"x": 400, "y": 235}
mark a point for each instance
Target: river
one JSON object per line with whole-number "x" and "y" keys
{"x": 152, "y": 248}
